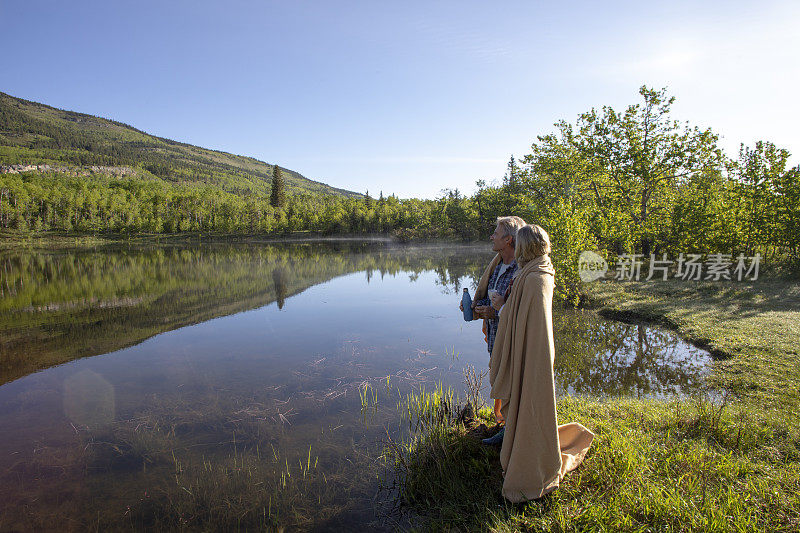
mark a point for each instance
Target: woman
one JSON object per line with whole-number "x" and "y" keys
{"x": 536, "y": 452}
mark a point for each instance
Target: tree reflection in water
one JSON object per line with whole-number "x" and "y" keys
{"x": 601, "y": 357}
{"x": 64, "y": 305}
{"x": 60, "y": 306}
{"x": 605, "y": 358}
{"x": 279, "y": 277}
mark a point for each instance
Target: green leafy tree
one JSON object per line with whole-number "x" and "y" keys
{"x": 626, "y": 164}
{"x": 704, "y": 216}
{"x": 788, "y": 212}
{"x": 767, "y": 199}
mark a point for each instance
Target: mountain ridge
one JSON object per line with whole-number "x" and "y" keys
{"x": 33, "y": 133}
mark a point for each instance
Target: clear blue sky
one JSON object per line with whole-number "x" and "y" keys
{"x": 405, "y": 97}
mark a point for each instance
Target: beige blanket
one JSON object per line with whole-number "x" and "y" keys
{"x": 536, "y": 451}
{"x": 483, "y": 284}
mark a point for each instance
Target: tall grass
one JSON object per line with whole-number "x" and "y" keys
{"x": 654, "y": 466}
{"x": 426, "y": 409}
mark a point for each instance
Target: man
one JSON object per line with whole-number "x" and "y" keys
{"x": 496, "y": 280}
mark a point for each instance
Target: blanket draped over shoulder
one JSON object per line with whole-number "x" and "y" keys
{"x": 483, "y": 289}
{"x": 483, "y": 283}
{"x": 536, "y": 451}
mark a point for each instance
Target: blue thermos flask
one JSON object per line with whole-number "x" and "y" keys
{"x": 466, "y": 303}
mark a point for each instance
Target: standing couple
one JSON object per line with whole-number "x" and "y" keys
{"x": 514, "y": 298}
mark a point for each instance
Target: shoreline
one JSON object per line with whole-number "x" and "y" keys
{"x": 695, "y": 463}
{"x": 11, "y": 240}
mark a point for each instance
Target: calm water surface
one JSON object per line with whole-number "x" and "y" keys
{"x": 213, "y": 385}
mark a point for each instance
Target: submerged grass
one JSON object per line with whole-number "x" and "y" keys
{"x": 725, "y": 461}
{"x": 244, "y": 490}
{"x": 220, "y": 467}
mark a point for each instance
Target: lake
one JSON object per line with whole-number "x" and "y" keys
{"x": 220, "y": 385}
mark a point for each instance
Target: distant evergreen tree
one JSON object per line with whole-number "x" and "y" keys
{"x": 512, "y": 177}
{"x": 278, "y": 196}
{"x": 511, "y": 184}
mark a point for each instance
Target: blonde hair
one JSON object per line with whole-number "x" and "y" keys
{"x": 532, "y": 241}
{"x": 510, "y": 225}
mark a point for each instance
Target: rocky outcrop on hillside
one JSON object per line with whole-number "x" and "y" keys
{"x": 75, "y": 171}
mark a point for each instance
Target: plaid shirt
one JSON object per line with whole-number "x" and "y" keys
{"x": 500, "y": 283}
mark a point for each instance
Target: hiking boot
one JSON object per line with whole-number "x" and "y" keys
{"x": 496, "y": 439}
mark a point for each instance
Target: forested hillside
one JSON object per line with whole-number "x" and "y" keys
{"x": 66, "y": 171}
{"x": 37, "y": 134}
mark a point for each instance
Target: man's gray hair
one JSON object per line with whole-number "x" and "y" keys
{"x": 510, "y": 226}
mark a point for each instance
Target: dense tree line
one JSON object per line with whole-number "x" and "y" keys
{"x": 102, "y": 203}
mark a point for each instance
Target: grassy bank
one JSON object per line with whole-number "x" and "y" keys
{"x": 726, "y": 461}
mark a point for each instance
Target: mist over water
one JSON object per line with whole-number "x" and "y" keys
{"x": 143, "y": 386}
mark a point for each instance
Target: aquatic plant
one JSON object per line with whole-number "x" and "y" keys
{"x": 426, "y": 409}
